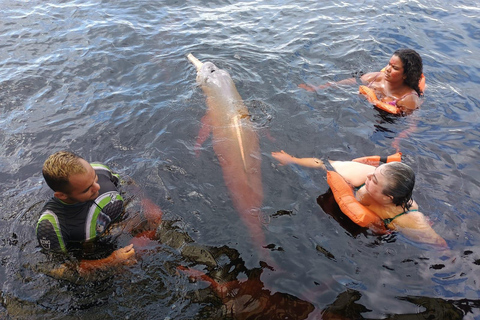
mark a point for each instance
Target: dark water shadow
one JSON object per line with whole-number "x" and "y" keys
{"x": 327, "y": 202}
{"x": 346, "y": 306}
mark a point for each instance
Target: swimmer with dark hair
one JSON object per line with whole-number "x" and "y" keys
{"x": 399, "y": 85}
{"x": 385, "y": 190}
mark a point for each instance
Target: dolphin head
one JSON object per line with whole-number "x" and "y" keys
{"x": 210, "y": 75}
{"x": 206, "y": 72}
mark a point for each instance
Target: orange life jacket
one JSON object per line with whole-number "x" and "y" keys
{"x": 369, "y": 93}
{"x": 343, "y": 194}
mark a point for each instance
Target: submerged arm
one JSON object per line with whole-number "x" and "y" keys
{"x": 120, "y": 257}
{"x": 366, "y": 78}
{"x": 417, "y": 227}
{"x": 91, "y": 268}
{"x": 311, "y": 87}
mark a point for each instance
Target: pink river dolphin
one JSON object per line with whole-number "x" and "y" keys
{"x": 235, "y": 143}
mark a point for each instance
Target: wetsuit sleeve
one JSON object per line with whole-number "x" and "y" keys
{"x": 48, "y": 233}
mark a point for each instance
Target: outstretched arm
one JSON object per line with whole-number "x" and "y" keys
{"x": 312, "y": 88}
{"x": 366, "y": 78}
{"x": 369, "y": 77}
{"x": 353, "y": 172}
{"x": 284, "y": 159}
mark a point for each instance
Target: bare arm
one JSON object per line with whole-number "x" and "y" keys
{"x": 366, "y": 78}
{"x": 409, "y": 103}
{"x": 369, "y": 77}
{"x": 87, "y": 268}
{"x": 311, "y": 87}
{"x": 417, "y": 227}
{"x": 354, "y": 173}
{"x": 120, "y": 257}
{"x": 284, "y": 159}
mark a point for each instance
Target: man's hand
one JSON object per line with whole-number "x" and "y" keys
{"x": 125, "y": 256}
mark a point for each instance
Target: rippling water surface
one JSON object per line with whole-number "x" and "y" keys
{"x": 110, "y": 81}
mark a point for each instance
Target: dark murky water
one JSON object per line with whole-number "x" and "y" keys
{"x": 110, "y": 81}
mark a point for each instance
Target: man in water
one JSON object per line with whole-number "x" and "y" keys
{"x": 78, "y": 218}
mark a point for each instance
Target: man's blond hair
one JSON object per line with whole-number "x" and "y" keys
{"x": 59, "y": 167}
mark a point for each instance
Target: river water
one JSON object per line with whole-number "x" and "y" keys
{"x": 110, "y": 81}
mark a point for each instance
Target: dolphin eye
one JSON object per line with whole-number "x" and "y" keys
{"x": 213, "y": 70}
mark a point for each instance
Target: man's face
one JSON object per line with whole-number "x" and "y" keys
{"x": 83, "y": 186}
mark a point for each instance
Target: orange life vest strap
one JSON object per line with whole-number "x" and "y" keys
{"x": 377, "y": 160}
{"x": 421, "y": 84}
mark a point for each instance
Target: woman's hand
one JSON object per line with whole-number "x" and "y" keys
{"x": 283, "y": 157}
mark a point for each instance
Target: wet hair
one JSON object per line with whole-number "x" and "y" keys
{"x": 401, "y": 180}
{"x": 59, "y": 167}
{"x": 412, "y": 67}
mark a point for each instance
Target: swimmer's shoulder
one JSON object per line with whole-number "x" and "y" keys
{"x": 409, "y": 101}
{"x": 371, "y": 76}
{"x": 413, "y": 219}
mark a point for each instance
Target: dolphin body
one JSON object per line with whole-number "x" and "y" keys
{"x": 235, "y": 143}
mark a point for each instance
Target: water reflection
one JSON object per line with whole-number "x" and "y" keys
{"x": 240, "y": 291}
{"x": 346, "y": 306}
{"x": 328, "y": 204}
{"x": 224, "y": 289}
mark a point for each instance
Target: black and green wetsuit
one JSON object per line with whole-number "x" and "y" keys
{"x": 62, "y": 225}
